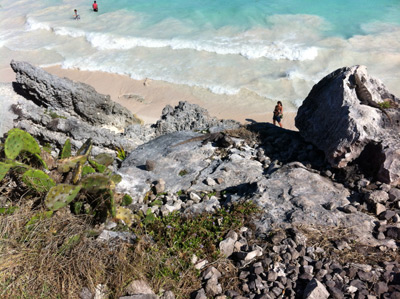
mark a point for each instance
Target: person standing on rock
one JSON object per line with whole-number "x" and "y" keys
{"x": 278, "y": 114}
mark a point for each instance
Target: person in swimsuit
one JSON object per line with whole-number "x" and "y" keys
{"x": 95, "y": 7}
{"x": 278, "y": 114}
{"x": 76, "y": 16}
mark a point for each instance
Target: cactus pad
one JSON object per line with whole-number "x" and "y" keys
{"x": 60, "y": 196}
{"x": 37, "y": 180}
{"x": 116, "y": 178}
{"x": 17, "y": 141}
{"x": 85, "y": 148}
{"x": 95, "y": 181}
{"x": 99, "y": 167}
{"x": 65, "y": 165}
{"x": 4, "y": 168}
{"x": 87, "y": 169}
{"x": 66, "y": 150}
{"x": 104, "y": 159}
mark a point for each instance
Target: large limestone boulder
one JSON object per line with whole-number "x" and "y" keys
{"x": 75, "y": 98}
{"x": 334, "y": 119}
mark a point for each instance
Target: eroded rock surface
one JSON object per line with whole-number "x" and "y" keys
{"x": 186, "y": 117}
{"x": 185, "y": 163}
{"x": 75, "y": 98}
{"x": 334, "y": 119}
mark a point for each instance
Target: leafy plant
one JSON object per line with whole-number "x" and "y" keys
{"x": 121, "y": 153}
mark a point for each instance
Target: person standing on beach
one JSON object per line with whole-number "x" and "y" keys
{"x": 76, "y": 16}
{"x": 95, "y": 7}
{"x": 278, "y": 114}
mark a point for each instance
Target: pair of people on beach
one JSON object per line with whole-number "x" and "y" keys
{"x": 94, "y": 6}
{"x": 278, "y": 114}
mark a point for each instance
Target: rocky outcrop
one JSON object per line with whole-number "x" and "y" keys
{"x": 185, "y": 163}
{"x": 187, "y": 117}
{"x": 77, "y": 99}
{"x": 341, "y": 116}
{"x": 292, "y": 194}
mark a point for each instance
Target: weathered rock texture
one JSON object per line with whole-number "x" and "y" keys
{"x": 186, "y": 117}
{"x": 75, "y": 98}
{"x": 184, "y": 163}
{"x": 333, "y": 118}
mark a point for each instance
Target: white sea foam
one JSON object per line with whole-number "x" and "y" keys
{"x": 31, "y": 25}
{"x": 249, "y": 48}
{"x": 279, "y": 58}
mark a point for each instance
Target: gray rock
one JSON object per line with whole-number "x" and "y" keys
{"x": 8, "y": 98}
{"x": 201, "y": 294}
{"x": 227, "y": 246}
{"x": 160, "y": 185}
{"x": 211, "y": 273}
{"x": 138, "y": 287}
{"x": 380, "y": 288}
{"x": 140, "y": 296}
{"x": 183, "y": 162}
{"x": 379, "y": 208}
{"x": 292, "y": 194}
{"x": 315, "y": 290}
{"x": 75, "y": 98}
{"x": 107, "y": 235}
{"x": 85, "y": 294}
{"x": 168, "y": 295}
{"x": 333, "y": 119}
{"x": 213, "y": 288}
{"x": 186, "y": 117}
{"x": 377, "y": 196}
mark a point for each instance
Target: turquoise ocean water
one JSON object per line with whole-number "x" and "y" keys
{"x": 275, "y": 49}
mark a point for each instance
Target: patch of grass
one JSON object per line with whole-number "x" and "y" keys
{"x": 57, "y": 256}
{"x": 183, "y": 172}
{"x": 121, "y": 153}
{"x": 53, "y": 114}
{"x": 385, "y": 105}
{"x": 167, "y": 245}
{"x": 325, "y": 238}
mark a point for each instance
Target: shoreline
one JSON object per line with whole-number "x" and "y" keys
{"x": 147, "y": 98}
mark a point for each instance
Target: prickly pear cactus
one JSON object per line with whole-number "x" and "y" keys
{"x": 38, "y": 180}
{"x": 66, "y": 150}
{"x": 61, "y": 195}
{"x": 17, "y": 141}
{"x": 99, "y": 167}
{"x": 95, "y": 181}
{"x": 4, "y": 168}
{"x": 116, "y": 178}
{"x": 104, "y": 159}
{"x": 87, "y": 169}
{"x": 67, "y": 164}
{"x": 86, "y": 148}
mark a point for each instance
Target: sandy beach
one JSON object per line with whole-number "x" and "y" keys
{"x": 147, "y": 98}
